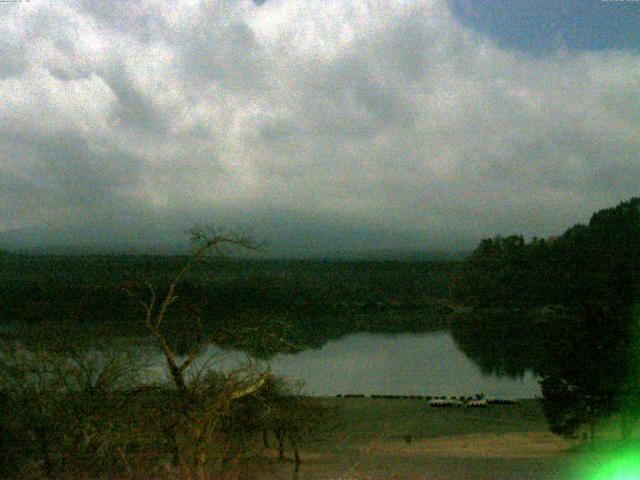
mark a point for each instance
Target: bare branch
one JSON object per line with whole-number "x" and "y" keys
{"x": 191, "y": 356}
{"x": 248, "y": 390}
{"x": 208, "y": 238}
{"x": 223, "y": 239}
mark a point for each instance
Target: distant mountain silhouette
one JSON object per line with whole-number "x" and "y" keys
{"x": 287, "y": 234}
{"x": 394, "y": 255}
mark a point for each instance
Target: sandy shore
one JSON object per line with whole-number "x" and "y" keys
{"x": 508, "y": 443}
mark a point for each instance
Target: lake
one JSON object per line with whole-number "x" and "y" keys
{"x": 398, "y": 364}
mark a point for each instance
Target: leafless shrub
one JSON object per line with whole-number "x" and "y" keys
{"x": 64, "y": 410}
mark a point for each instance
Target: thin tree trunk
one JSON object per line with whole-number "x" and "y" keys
{"x": 280, "y": 436}
{"x": 172, "y": 441}
{"x": 48, "y": 464}
{"x": 296, "y": 454}
{"x": 297, "y": 461}
{"x": 200, "y": 458}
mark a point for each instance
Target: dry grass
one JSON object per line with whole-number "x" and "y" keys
{"x": 486, "y": 445}
{"x": 494, "y": 443}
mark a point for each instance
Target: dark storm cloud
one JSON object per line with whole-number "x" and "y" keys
{"x": 134, "y": 109}
{"x": 62, "y": 180}
{"x": 82, "y": 175}
{"x": 346, "y": 124}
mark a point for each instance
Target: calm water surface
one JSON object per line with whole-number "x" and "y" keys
{"x": 399, "y": 364}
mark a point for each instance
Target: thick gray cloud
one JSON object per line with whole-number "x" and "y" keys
{"x": 335, "y": 125}
{"x": 133, "y": 109}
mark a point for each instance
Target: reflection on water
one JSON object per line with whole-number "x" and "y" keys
{"x": 400, "y": 364}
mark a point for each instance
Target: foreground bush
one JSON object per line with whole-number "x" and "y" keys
{"x": 87, "y": 416}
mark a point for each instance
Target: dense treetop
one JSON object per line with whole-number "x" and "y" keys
{"x": 600, "y": 260}
{"x": 570, "y": 307}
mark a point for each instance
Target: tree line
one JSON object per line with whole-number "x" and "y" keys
{"x": 308, "y": 302}
{"x": 570, "y": 307}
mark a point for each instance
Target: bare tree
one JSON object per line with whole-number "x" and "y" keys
{"x": 203, "y": 401}
{"x": 208, "y": 239}
{"x": 292, "y": 418}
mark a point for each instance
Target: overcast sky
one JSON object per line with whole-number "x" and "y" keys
{"x": 323, "y": 124}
